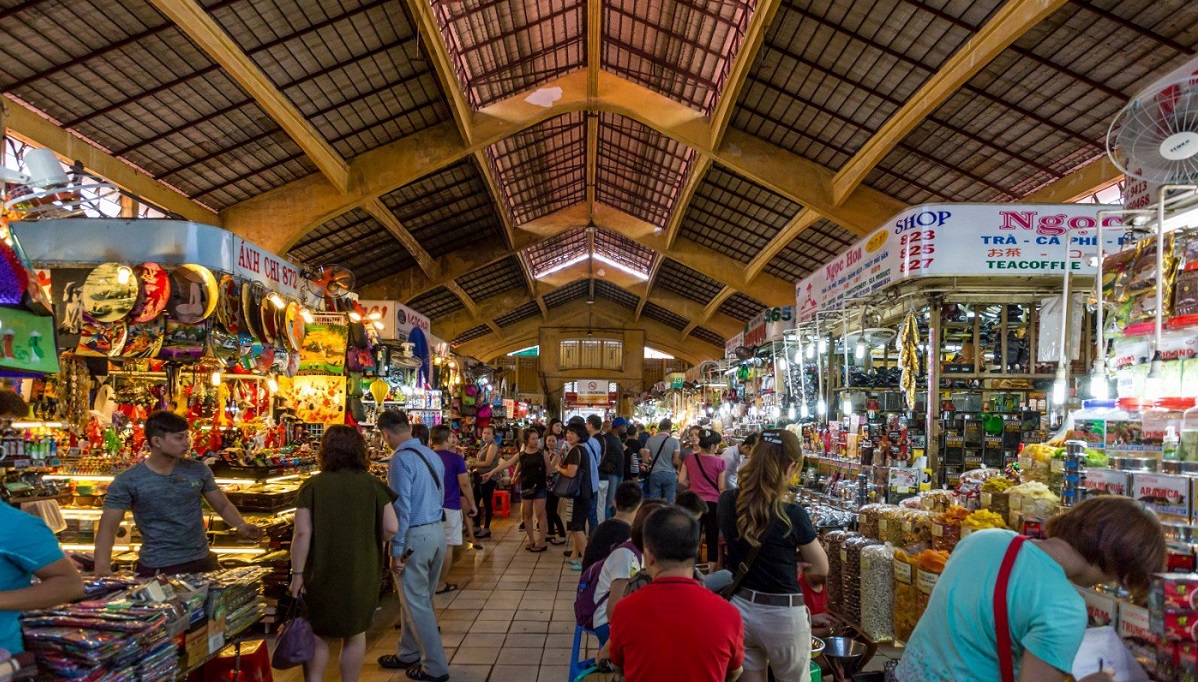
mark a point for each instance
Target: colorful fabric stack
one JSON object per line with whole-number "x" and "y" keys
{"x": 104, "y": 641}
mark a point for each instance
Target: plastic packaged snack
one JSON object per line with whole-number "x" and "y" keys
{"x": 905, "y": 608}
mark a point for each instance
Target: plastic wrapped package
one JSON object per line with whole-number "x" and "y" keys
{"x": 890, "y": 525}
{"x": 833, "y": 541}
{"x": 930, "y": 566}
{"x": 994, "y": 495}
{"x": 946, "y": 529}
{"x": 1031, "y": 500}
{"x": 877, "y": 591}
{"x": 867, "y": 520}
{"x": 917, "y": 528}
{"x": 938, "y": 500}
{"x": 850, "y": 582}
{"x": 905, "y": 607}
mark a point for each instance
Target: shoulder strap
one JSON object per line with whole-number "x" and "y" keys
{"x": 1002, "y": 619}
{"x": 699, "y": 463}
{"x": 656, "y": 456}
{"x": 431, "y": 471}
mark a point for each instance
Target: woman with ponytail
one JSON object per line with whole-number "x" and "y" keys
{"x": 765, "y": 530}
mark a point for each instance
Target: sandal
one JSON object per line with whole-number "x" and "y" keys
{"x": 417, "y": 672}
{"x": 393, "y": 662}
{"x": 541, "y": 548}
{"x": 449, "y": 587}
{"x": 555, "y": 541}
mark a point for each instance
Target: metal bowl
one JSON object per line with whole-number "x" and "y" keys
{"x": 817, "y": 647}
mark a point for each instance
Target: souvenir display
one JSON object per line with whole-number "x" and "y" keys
{"x": 184, "y": 341}
{"x": 228, "y": 310}
{"x": 155, "y": 283}
{"x": 110, "y": 292}
{"x": 268, "y": 315}
{"x": 251, "y": 302}
{"x": 194, "y": 294}
{"x": 325, "y": 344}
{"x": 101, "y": 339}
{"x": 294, "y": 326}
{"x": 223, "y": 345}
{"x": 144, "y": 339}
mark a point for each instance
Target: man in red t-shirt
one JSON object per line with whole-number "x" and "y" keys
{"x": 674, "y": 628}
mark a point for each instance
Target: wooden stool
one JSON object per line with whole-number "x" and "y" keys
{"x": 501, "y": 503}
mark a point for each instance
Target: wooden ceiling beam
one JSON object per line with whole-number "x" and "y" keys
{"x": 802, "y": 220}
{"x": 278, "y": 218}
{"x": 198, "y": 24}
{"x": 1090, "y": 178}
{"x": 710, "y": 309}
{"x": 379, "y": 211}
{"x": 1012, "y": 20}
{"x": 759, "y": 25}
{"x": 33, "y": 127}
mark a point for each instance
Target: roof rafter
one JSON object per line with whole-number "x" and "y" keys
{"x": 379, "y": 211}
{"x": 738, "y": 71}
{"x": 802, "y": 220}
{"x": 709, "y": 310}
{"x": 303, "y": 204}
{"x": 198, "y": 25}
{"x": 1015, "y": 18}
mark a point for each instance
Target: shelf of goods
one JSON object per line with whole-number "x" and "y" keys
{"x": 149, "y": 629}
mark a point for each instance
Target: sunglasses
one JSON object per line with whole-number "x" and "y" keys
{"x": 772, "y": 436}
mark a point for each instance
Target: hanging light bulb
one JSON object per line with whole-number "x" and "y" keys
{"x": 781, "y": 364}
{"x": 276, "y": 300}
{"x": 804, "y": 412}
{"x": 378, "y": 325}
{"x": 846, "y": 407}
{"x": 1100, "y": 388}
{"x": 860, "y": 352}
{"x": 799, "y": 356}
{"x": 821, "y": 407}
{"x": 355, "y": 316}
{"x": 272, "y": 384}
{"x": 216, "y": 378}
{"x": 307, "y": 315}
{"x": 123, "y": 273}
{"x": 1059, "y": 390}
{"x": 811, "y": 351}
{"x": 823, "y": 345}
{"x": 375, "y": 315}
{"x": 790, "y": 412}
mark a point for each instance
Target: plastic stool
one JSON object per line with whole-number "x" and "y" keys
{"x": 578, "y": 667}
{"x": 501, "y": 503}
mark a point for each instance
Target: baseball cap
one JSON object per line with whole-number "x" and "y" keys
{"x": 619, "y": 421}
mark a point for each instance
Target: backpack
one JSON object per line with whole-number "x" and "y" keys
{"x": 585, "y": 604}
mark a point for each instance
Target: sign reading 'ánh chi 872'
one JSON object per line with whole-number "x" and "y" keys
{"x": 962, "y": 240}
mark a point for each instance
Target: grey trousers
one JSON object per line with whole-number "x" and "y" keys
{"x": 420, "y": 638}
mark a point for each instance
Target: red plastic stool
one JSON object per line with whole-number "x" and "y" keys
{"x": 501, "y": 503}
{"x": 247, "y": 661}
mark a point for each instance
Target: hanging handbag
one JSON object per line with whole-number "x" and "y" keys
{"x": 745, "y": 566}
{"x": 569, "y": 486}
{"x": 295, "y": 643}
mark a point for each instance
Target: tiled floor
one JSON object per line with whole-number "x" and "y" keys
{"x": 512, "y": 620}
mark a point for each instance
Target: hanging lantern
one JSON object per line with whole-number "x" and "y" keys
{"x": 379, "y": 389}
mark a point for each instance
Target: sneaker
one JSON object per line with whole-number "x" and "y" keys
{"x": 484, "y": 533}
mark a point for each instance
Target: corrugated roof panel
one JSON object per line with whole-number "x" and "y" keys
{"x": 556, "y": 252}
{"x": 741, "y": 307}
{"x": 681, "y": 49}
{"x": 524, "y": 312}
{"x": 640, "y": 171}
{"x": 436, "y": 303}
{"x": 831, "y": 71}
{"x": 692, "y": 284}
{"x": 491, "y": 280}
{"x": 735, "y": 216}
{"x": 356, "y": 240}
{"x": 660, "y": 314}
{"x": 471, "y": 334}
{"x": 616, "y": 294}
{"x": 447, "y": 208}
{"x": 816, "y": 245}
{"x": 628, "y": 253}
{"x": 707, "y": 336}
{"x": 567, "y": 294}
{"x": 502, "y": 47}
{"x": 542, "y": 169}
{"x": 351, "y": 69}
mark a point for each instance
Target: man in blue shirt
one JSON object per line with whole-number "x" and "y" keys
{"x": 594, "y": 424}
{"x": 417, "y": 476}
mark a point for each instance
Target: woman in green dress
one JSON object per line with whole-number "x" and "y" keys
{"x": 343, "y": 516}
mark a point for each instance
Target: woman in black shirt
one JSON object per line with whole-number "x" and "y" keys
{"x": 759, "y": 515}
{"x": 576, "y": 463}
{"x": 532, "y": 474}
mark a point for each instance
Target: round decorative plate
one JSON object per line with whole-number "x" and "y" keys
{"x": 193, "y": 294}
{"x": 105, "y": 297}
{"x": 270, "y": 321}
{"x": 102, "y": 339}
{"x": 294, "y": 326}
{"x": 144, "y": 339}
{"x": 222, "y": 345}
{"x": 281, "y": 360}
{"x": 293, "y": 363}
{"x": 228, "y": 310}
{"x": 156, "y": 291}
{"x": 265, "y": 360}
{"x": 251, "y": 302}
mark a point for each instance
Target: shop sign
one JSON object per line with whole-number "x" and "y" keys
{"x": 778, "y": 320}
{"x": 732, "y": 344}
{"x": 1105, "y": 482}
{"x": 256, "y": 264}
{"x": 1134, "y": 622}
{"x": 676, "y": 379}
{"x": 961, "y": 240}
{"x": 1162, "y": 493}
{"x": 755, "y": 334}
{"x": 509, "y": 408}
{"x": 398, "y": 319}
{"x": 591, "y": 391}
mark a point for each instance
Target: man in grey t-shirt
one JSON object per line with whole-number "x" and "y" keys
{"x": 166, "y": 494}
{"x": 660, "y": 456}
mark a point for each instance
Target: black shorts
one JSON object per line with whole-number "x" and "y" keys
{"x": 580, "y": 514}
{"x": 205, "y": 565}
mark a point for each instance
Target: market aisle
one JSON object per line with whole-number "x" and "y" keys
{"x": 512, "y": 620}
